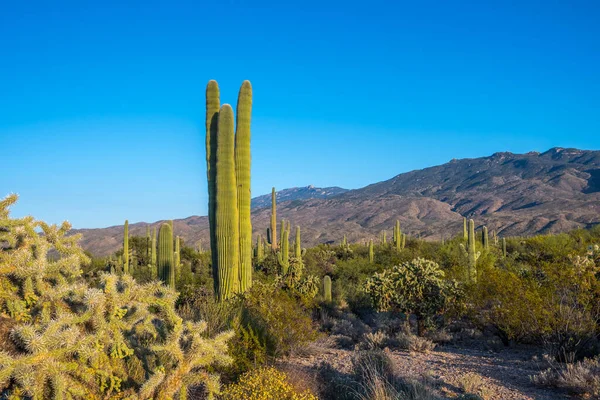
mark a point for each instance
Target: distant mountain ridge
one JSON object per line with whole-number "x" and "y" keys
{"x": 514, "y": 194}
{"x": 297, "y": 193}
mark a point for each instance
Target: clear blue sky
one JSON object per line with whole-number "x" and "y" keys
{"x": 102, "y": 104}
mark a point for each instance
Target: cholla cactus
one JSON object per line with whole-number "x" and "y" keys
{"x": 417, "y": 287}
{"x": 81, "y": 342}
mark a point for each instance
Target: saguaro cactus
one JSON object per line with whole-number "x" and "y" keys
{"x": 153, "y": 249}
{"x": 504, "y": 247}
{"x": 371, "y": 252}
{"x": 297, "y": 244}
{"x": 226, "y": 208}
{"x": 327, "y": 288}
{"x": 212, "y": 127}
{"x": 273, "y": 231}
{"x": 126, "y": 248}
{"x": 383, "y": 237}
{"x": 260, "y": 250}
{"x": 284, "y": 254}
{"x": 398, "y": 236}
{"x": 471, "y": 253}
{"x": 148, "y": 242}
{"x": 485, "y": 238}
{"x": 242, "y": 175}
{"x": 465, "y": 234}
{"x": 166, "y": 270}
{"x": 177, "y": 255}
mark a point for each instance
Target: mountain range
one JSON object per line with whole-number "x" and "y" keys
{"x": 512, "y": 194}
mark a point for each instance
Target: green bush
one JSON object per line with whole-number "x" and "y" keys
{"x": 277, "y": 317}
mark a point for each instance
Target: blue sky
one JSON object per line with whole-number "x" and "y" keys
{"x": 102, "y": 104}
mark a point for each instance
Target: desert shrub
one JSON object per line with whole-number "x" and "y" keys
{"x": 410, "y": 342}
{"x": 582, "y": 377}
{"x": 556, "y": 304}
{"x": 72, "y": 340}
{"x": 277, "y": 317}
{"x": 376, "y": 379}
{"x": 474, "y": 384}
{"x": 264, "y": 383}
{"x": 417, "y": 287}
{"x": 375, "y": 341}
{"x": 198, "y": 303}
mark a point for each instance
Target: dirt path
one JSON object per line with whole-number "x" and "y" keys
{"x": 501, "y": 375}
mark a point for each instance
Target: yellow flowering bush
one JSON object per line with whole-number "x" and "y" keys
{"x": 266, "y": 383}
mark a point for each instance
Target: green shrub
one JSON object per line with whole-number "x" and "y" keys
{"x": 265, "y": 384}
{"x": 278, "y": 318}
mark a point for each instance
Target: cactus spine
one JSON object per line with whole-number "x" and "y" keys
{"x": 327, "y": 288}
{"x": 284, "y": 254}
{"x": 371, "y": 252}
{"x": 226, "y": 210}
{"x": 242, "y": 176}
{"x": 484, "y": 238}
{"x": 126, "y": 248}
{"x": 470, "y": 252}
{"x": 166, "y": 270}
{"x": 212, "y": 127}
{"x": 272, "y": 234}
{"x": 297, "y": 244}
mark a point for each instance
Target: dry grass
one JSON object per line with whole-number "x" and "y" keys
{"x": 582, "y": 377}
{"x": 473, "y": 383}
{"x": 414, "y": 343}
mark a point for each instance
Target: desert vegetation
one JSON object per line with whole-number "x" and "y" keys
{"x": 255, "y": 315}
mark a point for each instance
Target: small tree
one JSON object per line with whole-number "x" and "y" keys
{"x": 417, "y": 287}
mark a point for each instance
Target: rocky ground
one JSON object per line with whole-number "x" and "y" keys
{"x": 450, "y": 370}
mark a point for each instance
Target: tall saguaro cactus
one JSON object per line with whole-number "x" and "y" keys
{"x": 166, "y": 270}
{"x": 297, "y": 244}
{"x": 284, "y": 254}
{"x": 470, "y": 252}
{"x": 371, "y": 252}
{"x": 273, "y": 231}
{"x": 260, "y": 250}
{"x": 398, "y": 236}
{"x": 126, "y": 248}
{"x": 226, "y": 209}
{"x": 485, "y": 238}
{"x": 465, "y": 234}
{"x": 177, "y": 254}
{"x": 504, "y": 247}
{"x": 153, "y": 248}
{"x": 213, "y": 104}
{"x": 228, "y": 171}
{"x": 242, "y": 175}
{"x": 327, "y": 289}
